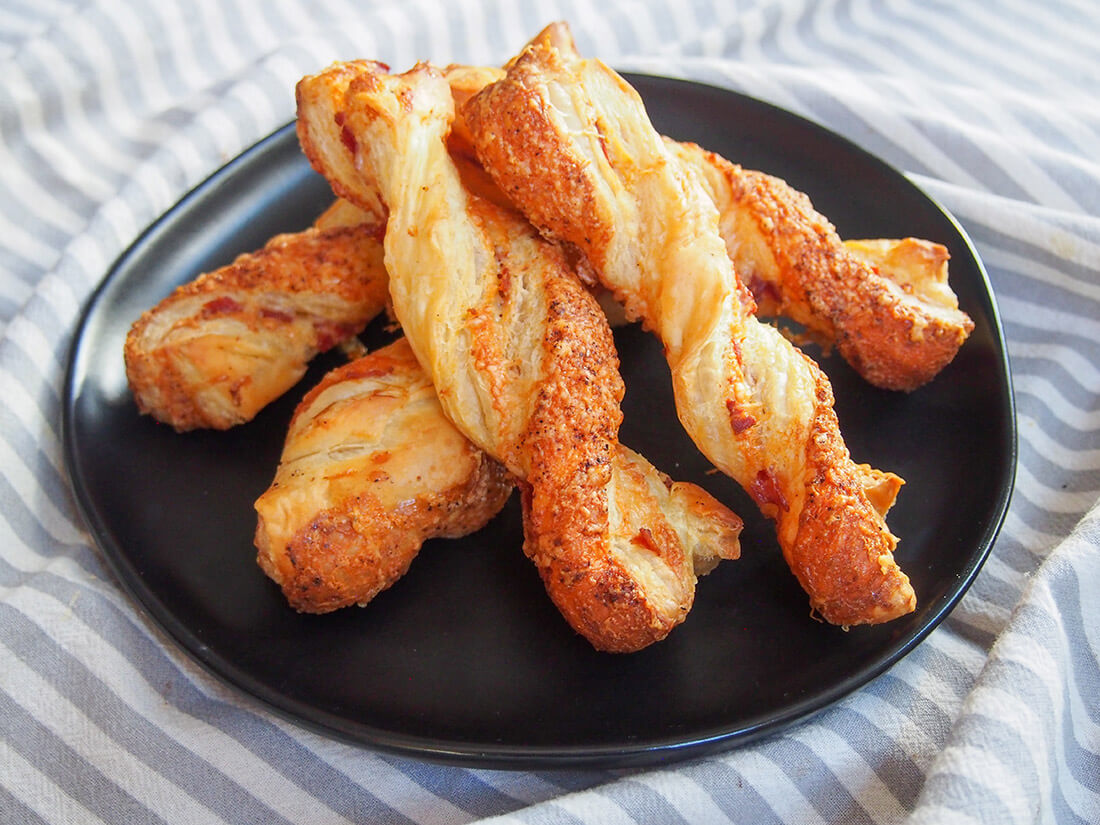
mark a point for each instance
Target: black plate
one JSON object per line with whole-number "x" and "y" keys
{"x": 465, "y": 660}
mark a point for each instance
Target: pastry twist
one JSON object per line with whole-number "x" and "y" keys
{"x": 569, "y": 141}
{"x": 523, "y": 362}
{"x": 223, "y": 346}
{"x": 371, "y": 468}
{"x": 885, "y": 305}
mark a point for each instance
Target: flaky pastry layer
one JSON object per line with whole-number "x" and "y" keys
{"x": 221, "y": 347}
{"x": 370, "y": 470}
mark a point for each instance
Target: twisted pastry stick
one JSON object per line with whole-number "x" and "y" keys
{"x": 371, "y": 468}
{"x": 569, "y": 141}
{"x": 884, "y": 304}
{"x": 223, "y": 346}
{"x": 523, "y": 362}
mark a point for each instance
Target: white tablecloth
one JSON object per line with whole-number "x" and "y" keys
{"x": 110, "y": 110}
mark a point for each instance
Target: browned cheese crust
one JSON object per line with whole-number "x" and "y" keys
{"x": 326, "y": 139}
{"x": 371, "y": 469}
{"x": 569, "y": 142}
{"x": 221, "y": 347}
{"x": 524, "y": 365}
{"x": 884, "y": 305}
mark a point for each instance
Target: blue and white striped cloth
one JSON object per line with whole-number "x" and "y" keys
{"x": 110, "y": 110}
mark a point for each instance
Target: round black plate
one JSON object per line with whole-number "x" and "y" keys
{"x": 465, "y": 660}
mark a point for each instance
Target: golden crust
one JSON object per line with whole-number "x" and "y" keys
{"x": 842, "y": 552}
{"x": 885, "y": 305}
{"x": 327, "y": 141}
{"x": 370, "y": 470}
{"x": 523, "y": 363}
{"x": 569, "y": 142}
{"x": 221, "y": 347}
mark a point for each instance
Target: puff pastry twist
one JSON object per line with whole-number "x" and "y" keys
{"x": 522, "y": 360}
{"x": 371, "y": 468}
{"x": 884, "y": 304}
{"x": 569, "y": 141}
{"x": 220, "y": 348}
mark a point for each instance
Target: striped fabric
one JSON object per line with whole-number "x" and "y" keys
{"x": 110, "y": 110}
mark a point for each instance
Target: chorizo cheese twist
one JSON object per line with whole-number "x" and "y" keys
{"x": 523, "y": 362}
{"x": 220, "y": 348}
{"x": 569, "y": 141}
{"x": 371, "y": 469}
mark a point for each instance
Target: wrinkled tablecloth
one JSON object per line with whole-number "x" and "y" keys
{"x": 111, "y": 110}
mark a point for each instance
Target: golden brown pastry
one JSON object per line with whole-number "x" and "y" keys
{"x": 344, "y": 213}
{"x": 371, "y": 468}
{"x": 221, "y": 347}
{"x": 327, "y": 135}
{"x": 569, "y": 141}
{"x": 522, "y": 360}
{"x": 465, "y": 82}
{"x": 884, "y": 304}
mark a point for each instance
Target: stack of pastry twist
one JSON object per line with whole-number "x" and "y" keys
{"x": 489, "y": 207}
